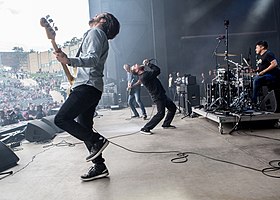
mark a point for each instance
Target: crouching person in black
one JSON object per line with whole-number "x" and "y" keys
{"x": 149, "y": 79}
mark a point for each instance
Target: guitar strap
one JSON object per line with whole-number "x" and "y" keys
{"x": 80, "y": 48}
{"x": 75, "y": 70}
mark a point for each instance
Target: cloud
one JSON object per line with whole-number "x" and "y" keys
{"x": 14, "y": 11}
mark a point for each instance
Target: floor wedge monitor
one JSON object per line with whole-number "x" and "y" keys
{"x": 8, "y": 158}
{"x": 38, "y": 131}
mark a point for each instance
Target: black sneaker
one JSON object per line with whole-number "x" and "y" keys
{"x": 169, "y": 127}
{"x": 145, "y": 131}
{"x": 144, "y": 117}
{"x": 96, "y": 171}
{"x": 97, "y": 149}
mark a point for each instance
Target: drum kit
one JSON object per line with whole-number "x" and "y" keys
{"x": 231, "y": 88}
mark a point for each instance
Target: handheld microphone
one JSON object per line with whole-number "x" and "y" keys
{"x": 221, "y": 37}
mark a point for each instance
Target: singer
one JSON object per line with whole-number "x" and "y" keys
{"x": 267, "y": 68}
{"x": 152, "y": 83}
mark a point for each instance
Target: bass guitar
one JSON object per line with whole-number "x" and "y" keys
{"x": 51, "y": 33}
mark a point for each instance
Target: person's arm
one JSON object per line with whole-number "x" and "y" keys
{"x": 137, "y": 83}
{"x": 95, "y": 43}
{"x": 153, "y": 72}
{"x": 272, "y": 65}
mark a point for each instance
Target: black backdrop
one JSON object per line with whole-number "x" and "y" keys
{"x": 192, "y": 27}
{"x": 181, "y": 34}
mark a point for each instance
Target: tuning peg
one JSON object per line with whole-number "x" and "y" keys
{"x": 48, "y": 16}
{"x": 50, "y": 20}
{"x": 55, "y": 28}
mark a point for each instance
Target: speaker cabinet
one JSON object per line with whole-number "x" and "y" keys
{"x": 190, "y": 80}
{"x": 50, "y": 121}
{"x": 192, "y": 97}
{"x": 146, "y": 97}
{"x": 8, "y": 158}
{"x": 108, "y": 99}
{"x": 271, "y": 102}
{"x": 37, "y": 131}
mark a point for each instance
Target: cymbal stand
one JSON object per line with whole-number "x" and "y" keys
{"x": 220, "y": 100}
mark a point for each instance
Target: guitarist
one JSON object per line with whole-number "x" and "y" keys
{"x": 87, "y": 90}
{"x": 134, "y": 89}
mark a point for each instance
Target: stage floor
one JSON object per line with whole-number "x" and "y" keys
{"x": 219, "y": 167}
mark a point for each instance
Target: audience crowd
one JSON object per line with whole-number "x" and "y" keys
{"x": 21, "y": 101}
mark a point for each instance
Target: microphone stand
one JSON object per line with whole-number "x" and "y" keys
{"x": 215, "y": 53}
{"x": 226, "y": 23}
{"x": 220, "y": 100}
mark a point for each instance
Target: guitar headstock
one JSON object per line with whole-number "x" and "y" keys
{"x": 48, "y": 24}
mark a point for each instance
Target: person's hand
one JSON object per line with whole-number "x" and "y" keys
{"x": 146, "y": 62}
{"x": 62, "y": 57}
{"x": 261, "y": 73}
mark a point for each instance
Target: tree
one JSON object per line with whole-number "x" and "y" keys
{"x": 21, "y": 58}
{"x": 18, "y": 49}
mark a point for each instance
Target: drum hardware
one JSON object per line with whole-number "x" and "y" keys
{"x": 230, "y": 91}
{"x": 237, "y": 74}
{"x": 228, "y": 81}
{"x": 242, "y": 102}
{"x": 220, "y": 102}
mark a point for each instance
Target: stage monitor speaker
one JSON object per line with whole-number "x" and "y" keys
{"x": 271, "y": 102}
{"x": 37, "y": 131}
{"x": 8, "y": 158}
{"x": 50, "y": 121}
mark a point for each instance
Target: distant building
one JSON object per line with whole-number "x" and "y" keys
{"x": 34, "y": 62}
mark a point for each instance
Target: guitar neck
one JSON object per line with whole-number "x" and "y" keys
{"x": 64, "y": 66}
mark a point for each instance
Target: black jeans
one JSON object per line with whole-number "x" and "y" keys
{"x": 161, "y": 104}
{"x": 260, "y": 81}
{"x": 80, "y": 105}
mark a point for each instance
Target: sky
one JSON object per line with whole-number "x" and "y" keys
{"x": 20, "y": 22}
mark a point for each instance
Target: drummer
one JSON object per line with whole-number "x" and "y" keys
{"x": 267, "y": 68}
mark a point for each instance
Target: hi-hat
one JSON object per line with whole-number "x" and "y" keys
{"x": 223, "y": 54}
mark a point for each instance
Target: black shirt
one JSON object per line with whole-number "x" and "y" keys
{"x": 152, "y": 83}
{"x": 263, "y": 62}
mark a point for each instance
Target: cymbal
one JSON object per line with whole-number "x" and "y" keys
{"x": 223, "y": 54}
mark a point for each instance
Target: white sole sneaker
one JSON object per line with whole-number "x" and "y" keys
{"x": 146, "y": 133}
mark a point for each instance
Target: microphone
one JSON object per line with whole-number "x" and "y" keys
{"x": 146, "y": 61}
{"x": 221, "y": 37}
